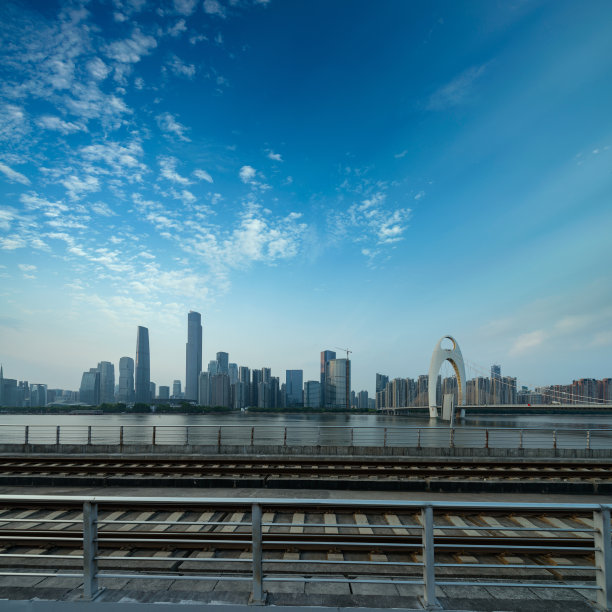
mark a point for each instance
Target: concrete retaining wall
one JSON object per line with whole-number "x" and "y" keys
{"x": 330, "y": 451}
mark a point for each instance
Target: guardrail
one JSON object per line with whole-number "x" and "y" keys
{"x": 260, "y": 568}
{"x": 305, "y": 435}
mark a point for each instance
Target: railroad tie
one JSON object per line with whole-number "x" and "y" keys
{"x": 201, "y": 520}
{"x": 330, "y": 522}
{"x": 175, "y": 516}
{"x": 235, "y": 518}
{"x": 524, "y": 522}
{"x": 362, "y": 520}
{"x": 397, "y": 526}
{"x": 267, "y": 517}
{"x": 555, "y": 522}
{"x": 493, "y": 522}
{"x": 458, "y": 521}
{"x": 143, "y": 516}
{"x": 21, "y": 515}
{"x": 297, "y": 522}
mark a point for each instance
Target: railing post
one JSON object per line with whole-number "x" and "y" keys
{"x": 419, "y": 438}
{"x": 603, "y": 557}
{"x": 429, "y": 571}
{"x": 219, "y": 436}
{"x": 352, "y": 436}
{"x": 26, "y": 435}
{"x": 252, "y": 436}
{"x": 187, "y": 435}
{"x": 153, "y": 435}
{"x": 57, "y": 435}
{"x": 90, "y": 550}
{"x": 588, "y": 439}
{"x": 89, "y": 435}
{"x": 258, "y": 597}
{"x": 486, "y": 438}
{"x": 555, "y": 439}
{"x": 521, "y": 440}
{"x": 451, "y": 441}
{"x": 385, "y": 438}
{"x": 121, "y": 435}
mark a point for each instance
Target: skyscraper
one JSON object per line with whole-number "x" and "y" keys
{"x": 107, "y": 382}
{"x": 193, "y": 354}
{"x": 143, "y": 366}
{"x": 326, "y": 357}
{"x": 293, "y": 387}
{"x": 126, "y": 380}
{"x": 89, "y": 392}
{"x": 222, "y": 363}
{"x": 338, "y": 383}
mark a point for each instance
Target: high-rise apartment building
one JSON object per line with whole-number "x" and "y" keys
{"x": 204, "y": 395}
{"x": 326, "y": 357}
{"x": 107, "y": 382}
{"x": 126, "y": 380}
{"x": 496, "y": 385}
{"x": 293, "y": 387}
{"x": 143, "y": 366}
{"x": 220, "y": 390}
{"x": 193, "y": 355}
{"x": 232, "y": 370}
{"x": 164, "y": 392}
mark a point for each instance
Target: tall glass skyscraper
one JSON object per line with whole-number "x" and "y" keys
{"x": 326, "y": 357}
{"x": 193, "y": 355}
{"x": 143, "y": 366}
{"x": 107, "y": 382}
{"x": 126, "y": 380}
{"x": 293, "y": 387}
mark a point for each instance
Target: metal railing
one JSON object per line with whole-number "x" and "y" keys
{"x": 306, "y": 435}
{"x": 424, "y": 536}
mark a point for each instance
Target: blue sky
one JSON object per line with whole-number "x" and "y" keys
{"x": 307, "y": 175}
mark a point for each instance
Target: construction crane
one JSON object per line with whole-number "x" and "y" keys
{"x": 347, "y": 376}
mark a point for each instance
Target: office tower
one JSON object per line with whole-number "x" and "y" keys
{"x": 89, "y": 392}
{"x": 107, "y": 382}
{"x": 222, "y": 363}
{"x": 212, "y": 367}
{"x": 152, "y": 390}
{"x": 204, "y": 389}
{"x": 164, "y": 392}
{"x": 326, "y": 357}
{"x": 143, "y": 366}
{"x": 176, "y": 389}
{"x": 266, "y": 375}
{"x": 293, "y": 387}
{"x": 38, "y": 395}
{"x": 233, "y": 373}
{"x": 496, "y": 384}
{"x": 363, "y": 400}
{"x": 220, "y": 390}
{"x": 256, "y": 378}
{"x": 338, "y": 383}
{"x": 126, "y": 380}
{"x": 193, "y": 354}
{"x": 312, "y": 394}
{"x": 381, "y": 381}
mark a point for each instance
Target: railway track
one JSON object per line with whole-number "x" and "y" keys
{"x": 288, "y": 472}
{"x": 158, "y": 539}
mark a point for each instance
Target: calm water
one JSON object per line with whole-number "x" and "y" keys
{"x": 315, "y": 429}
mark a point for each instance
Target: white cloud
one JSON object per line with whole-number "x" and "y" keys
{"x": 13, "y": 123}
{"x": 178, "y": 28}
{"x": 168, "y": 171}
{"x": 179, "y": 68}
{"x": 131, "y": 50}
{"x": 76, "y": 186}
{"x": 49, "y": 122}
{"x": 527, "y": 341}
{"x": 247, "y": 174}
{"x": 275, "y": 156}
{"x": 402, "y": 154}
{"x": 170, "y": 125}
{"x": 419, "y": 195}
{"x": 27, "y": 267}
{"x": 202, "y": 174}
{"x": 98, "y": 69}
{"x": 103, "y": 209}
{"x": 214, "y": 7}
{"x": 185, "y": 7}
{"x": 13, "y": 175}
{"x": 457, "y": 91}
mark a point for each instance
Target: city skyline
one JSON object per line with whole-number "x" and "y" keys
{"x": 306, "y": 175}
